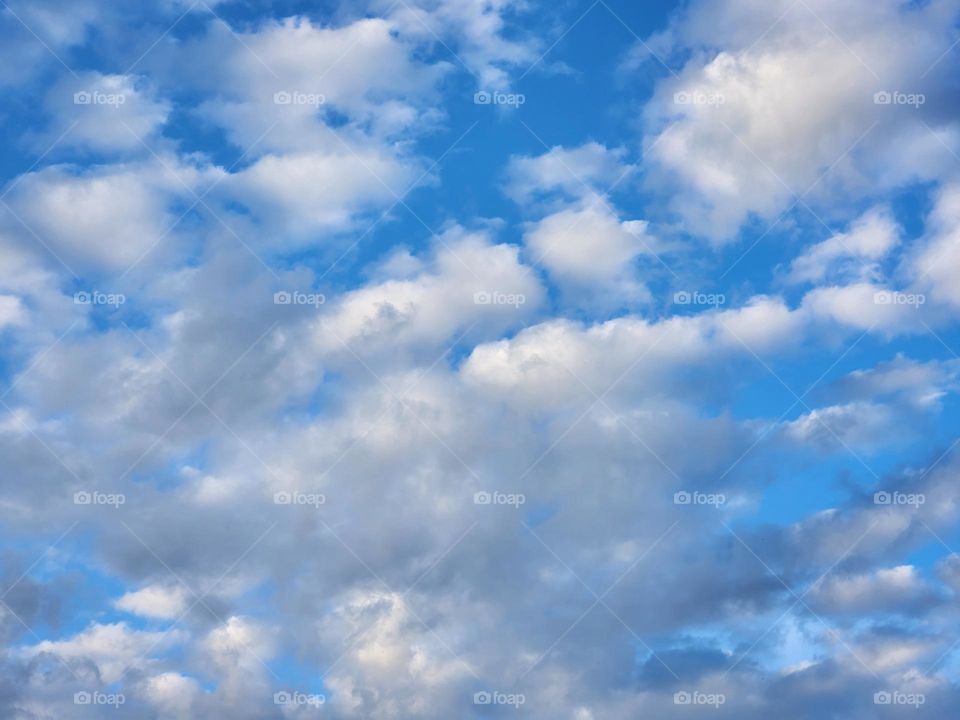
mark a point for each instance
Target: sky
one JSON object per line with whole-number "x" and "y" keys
{"x": 430, "y": 359}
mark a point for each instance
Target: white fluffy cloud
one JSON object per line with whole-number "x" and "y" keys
{"x": 172, "y": 694}
{"x": 323, "y": 117}
{"x": 466, "y": 469}
{"x": 11, "y": 311}
{"x": 885, "y": 589}
{"x": 937, "y": 262}
{"x": 303, "y": 193}
{"x": 912, "y": 383}
{"x": 536, "y": 365}
{"x": 868, "y": 306}
{"x": 361, "y": 70}
{"x": 113, "y": 648}
{"x": 479, "y": 28}
{"x": 468, "y": 285}
{"x": 238, "y": 651}
{"x": 849, "y": 256}
{"x": 777, "y": 102}
{"x": 589, "y": 252}
{"x": 857, "y": 426}
{"x": 103, "y": 113}
{"x": 103, "y": 217}
{"x": 155, "y": 601}
{"x": 573, "y": 171}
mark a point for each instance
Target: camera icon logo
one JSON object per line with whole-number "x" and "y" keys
{"x": 882, "y": 698}
{"x": 282, "y": 298}
{"x": 682, "y": 98}
{"x": 681, "y": 298}
{"x": 681, "y": 498}
{"x": 682, "y": 698}
{"x": 82, "y": 98}
{"x": 482, "y": 298}
{"x": 882, "y": 498}
{"x": 82, "y": 498}
{"x": 282, "y": 698}
{"x": 282, "y": 98}
{"x": 482, "y": 97}
{"x": 82, "y": 298}
{"x": 282, "y": 498}
{"x": 482, "y": 498}
{"x": 882, "y": 98}
{"x": 482, "y": 698}
{"x": 82, "y": 698}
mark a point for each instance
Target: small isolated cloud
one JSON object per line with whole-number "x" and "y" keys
{"x": 156, "y": 601}
{"x": 574, "y": 172}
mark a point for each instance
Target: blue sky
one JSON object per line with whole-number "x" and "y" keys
{"x": 479, "y": 358}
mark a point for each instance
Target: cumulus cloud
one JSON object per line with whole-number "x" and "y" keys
{"x": 867, "y": 306}
{"x": 173, "y": 694}
{"x": 888, "y": 589}
{"x": 571, "y": 171}
{"x": 936, "y": 262}
{"x": 112, "y": 648}
{"x": 410, "y": 472}
{"x": 913, "y": 383}
{"x": 480, "y": 28}
{"x": 849, "y": 256}
{"x": 774, "y": 106}
{"x": 323, "y": 117}
{"x": 155, "y": 602}
{"x": 310, "y": 192}
{"x": 102, "y": 217}
{"x": 590, "y": 251}
{"x": 468, "y": 285}
{"x": 11, "y": 310}
{"x": 857, "y": 425}
{"x": 103, "y": 113}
